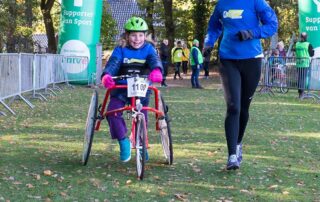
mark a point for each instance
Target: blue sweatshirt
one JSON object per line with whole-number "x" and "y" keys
{"x": 231, "y": 16}
{"x": 122, "y": 59}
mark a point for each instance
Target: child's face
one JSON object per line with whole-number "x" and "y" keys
{"x": 136, "y": 39}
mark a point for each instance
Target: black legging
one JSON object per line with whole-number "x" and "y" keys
{"x": 240, "y": 79}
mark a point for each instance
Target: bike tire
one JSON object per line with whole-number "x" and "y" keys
{"x": 141, "y": 134}
{"x": 283, "y": 88}
{"x": 90, "y": 126}
{"x": 165, "y": 132}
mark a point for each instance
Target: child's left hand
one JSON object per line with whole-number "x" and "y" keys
{"x": 155, "y": 76}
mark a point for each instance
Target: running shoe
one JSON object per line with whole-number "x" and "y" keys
{"x": 125, "y": 150}
{"x": 239, "y": 152}
{"x": 233, "y": 163}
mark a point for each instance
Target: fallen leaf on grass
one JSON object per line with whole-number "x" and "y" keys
{"x": 95, "y": 182}
{"x": 30, "y": 186}
{"x": 128, "y": 182}
{"x": 156, "y": 177}
{"x": 60, "y": 179}
{"x": 245, "y": 191}
{"x": 37, "y": 176}
{"x": 16, "y": 182}
{"x": 47, "y": 200}
{"x": 116, "y": 183}
{"x": 64, "y": 194}
{"x": 273, "y": 186}
{"x": 162, "y": 193}
{"x": 285, "y": 192}
{"x": 181, "y": 197}
{"x": 47, "y": 172}
{"x": 34, "y": 197}
{"x": 197, "y": 170}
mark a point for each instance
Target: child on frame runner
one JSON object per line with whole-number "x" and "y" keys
{"x": 137, "y": 55}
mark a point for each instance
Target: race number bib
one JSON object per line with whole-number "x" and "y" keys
{"x": 137, "y": 87}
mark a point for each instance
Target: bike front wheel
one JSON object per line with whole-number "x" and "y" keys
{"x": 140, "y": 137}
{"x": 165, "y": 131}
{"x": 284, "y": 88}
{"x": 90, "y": 126}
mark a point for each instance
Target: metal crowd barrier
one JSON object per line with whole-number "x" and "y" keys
{"x": 36, "y": 74}
{"x": 279, "y": 74}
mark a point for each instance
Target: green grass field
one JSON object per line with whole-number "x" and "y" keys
{"x": 40, "y": 152}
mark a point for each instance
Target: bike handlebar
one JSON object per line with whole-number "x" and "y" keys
{"x": 129, "y": 76}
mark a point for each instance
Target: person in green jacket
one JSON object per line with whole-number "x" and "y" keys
{"x": 176, "y": 58}
{"x": 196, "y": 61}
{"x": 304, "y": 51}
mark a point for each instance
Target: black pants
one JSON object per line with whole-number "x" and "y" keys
{"x": 165, "y": 65}
{"x": 206, "y": 68}
{"x": 302, "y": 79}
{"x": 177, "y": 66}
{"x": 240, "y": 79}
{"x": 185, "y": 67}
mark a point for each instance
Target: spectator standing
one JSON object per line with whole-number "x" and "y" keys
{"x": 176, "y": 58}
{"x": 164, "y": 55}
{"x": 282, "y": 51}
{"x": 185, "y": 58}
{"x": 304, "y": 51}
{"x": 276, "y": 64}
{"x": 196, "y": 61}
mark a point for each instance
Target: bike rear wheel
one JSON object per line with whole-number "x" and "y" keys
{"x": 283, "y": 88}
{"x": 141, "y": 134}
{"x": 90, "y": 126}
{"x": 165, "y": 132}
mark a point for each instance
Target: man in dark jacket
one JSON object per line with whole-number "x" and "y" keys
{"x": 164, "y": 56}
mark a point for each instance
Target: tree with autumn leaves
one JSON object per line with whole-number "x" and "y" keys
{"x": 174, "y": 19}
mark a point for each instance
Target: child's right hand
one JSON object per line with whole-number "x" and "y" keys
{"x": 107, "y": 81}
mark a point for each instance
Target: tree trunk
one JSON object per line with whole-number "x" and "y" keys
{"x": 28, "y": 12}
{"x": 46, "y": 6}
{"x": 11, "y": 38}
{"x": 170, "y": 31}
{"x": 150, "y": 10}
{"x": 28, "y": 18}
{"x": 1, "y": 45}
{"x": 200, "y": 13}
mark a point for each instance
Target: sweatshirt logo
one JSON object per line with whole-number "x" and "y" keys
{"x": 133, "y": 60}
{"x": 233, "y": 14}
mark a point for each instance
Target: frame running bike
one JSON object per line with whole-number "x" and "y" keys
{"x": 139, "y": 137}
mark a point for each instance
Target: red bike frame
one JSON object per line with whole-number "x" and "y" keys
{"x": 102, "y": 114}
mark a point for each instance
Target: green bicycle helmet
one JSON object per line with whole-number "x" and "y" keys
{"x": 136, "y": 24}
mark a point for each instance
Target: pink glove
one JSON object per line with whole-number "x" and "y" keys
{"x": 155, "y": 76}
{"x": 107, "y": 81}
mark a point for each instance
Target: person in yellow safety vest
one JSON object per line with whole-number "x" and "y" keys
{"x": 185, "y": 58}
{"x": 176, "y": 58}
{"x": 196, "y": 61}
{"x": 304, "y": 51}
